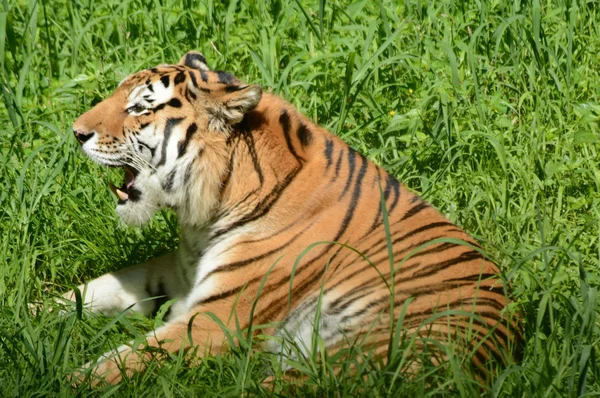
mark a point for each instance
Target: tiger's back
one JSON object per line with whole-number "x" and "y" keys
{"x": 280, "y": 220}
{"x": 334, "y": 197}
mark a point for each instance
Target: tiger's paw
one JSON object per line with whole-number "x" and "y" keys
{"x": 59, "y": 305}
{"x": 111, "y": 368}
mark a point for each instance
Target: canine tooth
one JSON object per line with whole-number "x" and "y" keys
{"x": 122, "y": 195}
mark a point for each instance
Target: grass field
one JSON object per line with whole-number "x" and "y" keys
{"x": 488, "y": 109}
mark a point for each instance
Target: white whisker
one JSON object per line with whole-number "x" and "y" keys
{"x": 138, "y": 163}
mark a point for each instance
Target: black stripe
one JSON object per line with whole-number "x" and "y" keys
{"x": 243, "y": 204}
{"x": 171, "y": 123}
{"x": 234, "y": 88}
{"x": 390, "y": 184}
{"x": 474, "y": 278}
{"x": 459, "y": 303}
{"x": 182, "y": 147}
{"x": 175, "y": 103}
{"x": 158, "y": 107}
{"x": 395, "y": 184}
{"x": 225, "y": 183}
{"x": 328, "y": 152}
{"x": 188, "y": 174}
{"x": 482, "y": 355}
{"x": 239, "y": 264}
{"x": 351, "y": 166}
{"x": 431, "y": 269}
{"x": 193, "y": 78}
{"x": 338, "y": 164}
{"x": 249, "y": 140}
{"x": 179, "y": 78}
{"x": 341, "y": 303}
{"x": 367, "y": 308}
{"x": 489, "y": 339}
{"x": 187, "y": 95}
{"x": 496, "y": 289}
{"x": 151, "y": 149}
{"x": 168, "y": 183}
{"x": 486, "y": 301}
{"x": 165, "y": 80}
{"x": 275, "y": 234}
{"x": 304, "y": 135}
{"x": 224, "y": 77}
{"x": 397, "y": 254}
{"x": 491, "y": 336}
{"x": 414, "y": 210}
{"x": 355, "y": 195}
{"x": 417, "y": 244}
{"x": 220, "y": 296}
{"x": 439, "y": 248}
{"x": 286, "y": 123}
{"x": 430, "y": 289}
{"x": 227, "y": 293}
{"x": 265, "y": 204}
{"x": 299, "y": 289}
{"x": 422, "y": 228}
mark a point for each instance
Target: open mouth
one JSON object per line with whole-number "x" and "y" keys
{"x": 126, "y": 191}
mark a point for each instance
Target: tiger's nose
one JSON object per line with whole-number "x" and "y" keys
{"x": 82, "y": 136}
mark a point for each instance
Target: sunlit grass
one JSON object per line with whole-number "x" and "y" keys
{"x": 490, "y": 110}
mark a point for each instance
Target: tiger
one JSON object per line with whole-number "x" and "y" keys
{"x": 279, "y": 220}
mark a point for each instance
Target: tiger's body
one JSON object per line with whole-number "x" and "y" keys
{"x": 255, "y": 184}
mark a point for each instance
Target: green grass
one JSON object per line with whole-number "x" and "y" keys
{"x": 490, "y": 110}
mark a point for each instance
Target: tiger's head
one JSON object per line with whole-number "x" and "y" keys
{"x": 167, "y": 128}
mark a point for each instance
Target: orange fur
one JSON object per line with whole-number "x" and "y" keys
{"x": 275, "y": 183}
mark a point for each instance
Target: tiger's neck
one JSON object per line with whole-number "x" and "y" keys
{"x": 272, "y": 150}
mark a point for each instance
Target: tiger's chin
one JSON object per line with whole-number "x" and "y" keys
{"x": 137, "y": 203}
{"x": 137, "y": 213}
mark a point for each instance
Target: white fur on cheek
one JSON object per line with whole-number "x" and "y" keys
{"x": 137, "y": 213}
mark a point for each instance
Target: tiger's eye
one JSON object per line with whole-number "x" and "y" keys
{"x": 137, "y": 108}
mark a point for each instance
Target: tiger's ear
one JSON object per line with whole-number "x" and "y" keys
{"x": 193, "y": 59}
{"x": 242, "y": 101}
{"x": 233, "y": 106}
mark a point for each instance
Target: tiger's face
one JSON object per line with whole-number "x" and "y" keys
{"x": 167, "y": 128}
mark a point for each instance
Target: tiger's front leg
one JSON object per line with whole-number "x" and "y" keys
{"x": 207, "y": 337}
{"x": 142, "y": 288}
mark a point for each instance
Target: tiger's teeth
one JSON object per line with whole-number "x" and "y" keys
{"x": 112, "y": 187}
{"x": 122, "y": 195}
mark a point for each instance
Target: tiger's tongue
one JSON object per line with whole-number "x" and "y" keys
{"x": 123, "y": 192}
{"x": 129, "y": 177}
